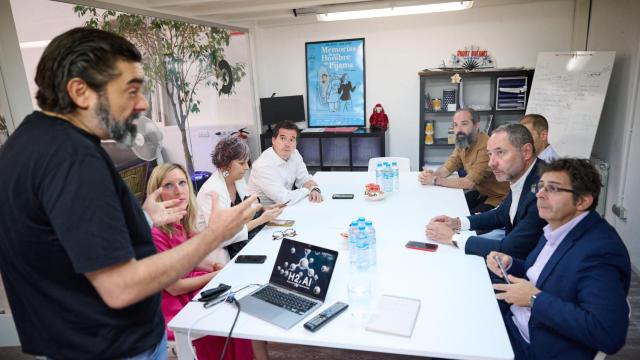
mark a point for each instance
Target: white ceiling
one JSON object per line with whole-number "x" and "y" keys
{"x": 242, "y": 14}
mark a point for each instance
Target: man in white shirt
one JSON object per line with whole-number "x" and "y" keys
{"x": 280, "y": 167}
{"x": 539, "y": 128}
{"x": 511, "y": 158}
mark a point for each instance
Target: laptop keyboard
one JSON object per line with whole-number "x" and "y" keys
{"x": 288, "y": 301}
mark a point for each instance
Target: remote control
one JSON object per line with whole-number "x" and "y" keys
{"x": 324, "y": 317}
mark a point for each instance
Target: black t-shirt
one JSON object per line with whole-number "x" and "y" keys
{"x": 65, "y": 211}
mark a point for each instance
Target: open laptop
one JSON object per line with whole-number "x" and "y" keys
{"x": 298, "y": 285}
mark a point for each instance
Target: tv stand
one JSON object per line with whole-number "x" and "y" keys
{"x": 338, "y": 151}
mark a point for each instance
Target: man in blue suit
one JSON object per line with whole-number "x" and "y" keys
{"x": 511, "y": 158}
{"x": 569, "y": 296}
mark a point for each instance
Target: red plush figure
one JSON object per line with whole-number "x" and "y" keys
{"x": 379, "y": 119}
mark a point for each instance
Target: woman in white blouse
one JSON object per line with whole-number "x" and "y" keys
{"x": 231, "y": 158}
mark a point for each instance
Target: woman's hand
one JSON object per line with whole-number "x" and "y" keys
{"x": 270, "y": 214}
{"x": 217, "y": 266}
{"x": 274, "y": 206}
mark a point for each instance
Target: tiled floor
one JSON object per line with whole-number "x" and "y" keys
{"x": 631, "y": 350}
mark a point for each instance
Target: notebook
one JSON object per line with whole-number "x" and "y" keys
{"x": 394, "y": 315}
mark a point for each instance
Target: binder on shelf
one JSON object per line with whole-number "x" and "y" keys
{"x": 511, "y": 93}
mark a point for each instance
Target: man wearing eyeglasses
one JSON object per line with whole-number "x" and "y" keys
{"x": 511, "y": 158}
{"x": 568, "y": 298}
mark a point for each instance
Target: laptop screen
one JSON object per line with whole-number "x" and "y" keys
{"x": 304, "y": 268}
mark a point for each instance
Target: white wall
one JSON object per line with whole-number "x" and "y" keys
{"x": 397, "y": 48}
{"x": 614, "y": 26}
{"x": 15, "y": 91}
{"x": 38, "y": 20}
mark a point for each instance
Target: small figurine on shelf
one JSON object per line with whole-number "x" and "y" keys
{"x": 429, "y": 131}
{"x": 378, "y": 118}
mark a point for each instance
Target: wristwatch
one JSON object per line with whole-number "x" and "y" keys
{"x": 531, "y": 300}
{"x": 315, "y": 188}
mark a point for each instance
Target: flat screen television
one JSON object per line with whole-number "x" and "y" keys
{"x": 280, "y": 108}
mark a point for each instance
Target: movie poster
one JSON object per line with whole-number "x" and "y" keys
{"x": 336, "y": 83}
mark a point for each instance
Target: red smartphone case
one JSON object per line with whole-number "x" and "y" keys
{"x": 430, "y": 248}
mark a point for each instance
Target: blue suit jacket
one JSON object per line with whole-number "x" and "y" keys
{"x": 521, "y": 236}
{"x": 582, "y": 307}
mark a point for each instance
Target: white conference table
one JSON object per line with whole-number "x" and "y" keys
{"x": 459, "y": 317}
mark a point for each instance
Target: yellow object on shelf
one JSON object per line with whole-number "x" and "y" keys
{"x": 428, "y": 139}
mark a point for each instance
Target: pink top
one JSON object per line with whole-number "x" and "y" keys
{"x": 171, "y": 304}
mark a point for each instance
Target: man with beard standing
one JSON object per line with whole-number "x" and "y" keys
{"x": 484, "y": 191}
{"x": 80, "y": 269}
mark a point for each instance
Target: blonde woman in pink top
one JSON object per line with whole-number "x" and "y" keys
{"x": 175, "y": 184}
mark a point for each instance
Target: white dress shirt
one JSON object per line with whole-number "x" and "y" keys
{"x": 548, "y": 155}
{"x": 217, "y": 184}
{"x": 272, "y": 178}
{"x": 516, "y": 192}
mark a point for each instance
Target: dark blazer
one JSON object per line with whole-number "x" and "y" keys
{"x": 521, "y": 236}
{"x": 582, "y": 308}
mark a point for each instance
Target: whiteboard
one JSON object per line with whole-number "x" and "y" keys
{"x": 568, "y": 89}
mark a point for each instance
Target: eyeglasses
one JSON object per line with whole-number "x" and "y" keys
{"x": 549, "y": 188}
{"x": 280, "y": 234}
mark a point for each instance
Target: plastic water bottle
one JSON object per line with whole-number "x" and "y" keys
{"x": 360, "y": 279}
{"x": 361, "y": 221}
{"x": 396, "y": 176}
{"x": 371, "y": 234}
{"x": 388, "y": 178}
{"x": 353, "y": 243}
{"x": 363, "y": 249}
{"x": 379, "y": 175}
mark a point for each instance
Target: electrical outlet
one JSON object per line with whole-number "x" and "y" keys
{"x": 620, "y": 211}
{"x": 203, "y": 133}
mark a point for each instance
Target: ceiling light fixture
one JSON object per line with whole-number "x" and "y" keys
{"x": 34, "y": 44}
{"x": 394, "y": 11}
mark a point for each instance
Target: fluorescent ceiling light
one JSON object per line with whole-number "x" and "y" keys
{"x": 34, "y": 44}
{"x": 395, "y": 11}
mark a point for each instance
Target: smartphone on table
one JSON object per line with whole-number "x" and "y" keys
{"x": 342, "y": 196}
{"x": 417, "y": 245}
{"x": 251, "y": 259}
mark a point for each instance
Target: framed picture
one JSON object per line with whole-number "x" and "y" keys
{"x": 336, "y": 83}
